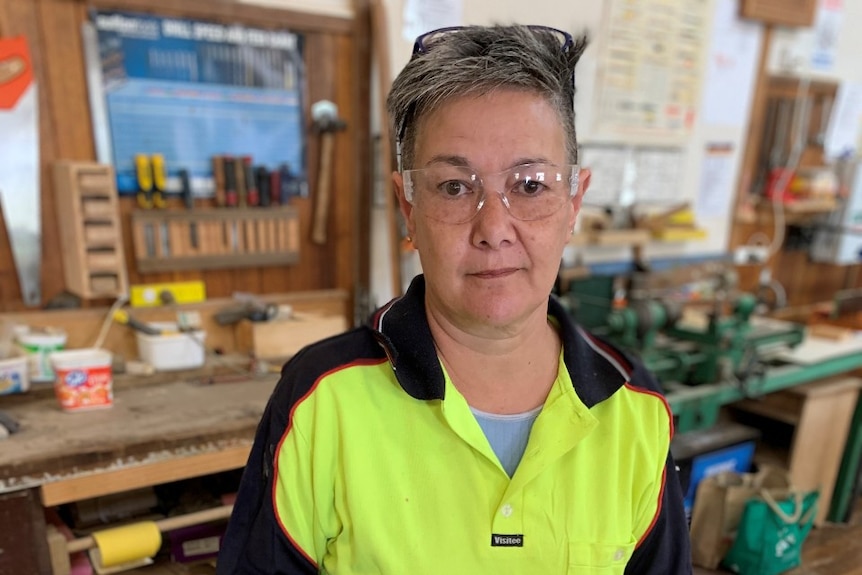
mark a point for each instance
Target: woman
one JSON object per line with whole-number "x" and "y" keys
{"x": 471, "y": 428}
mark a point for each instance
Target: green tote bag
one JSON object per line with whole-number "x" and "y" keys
{"x": 771, "y": 533}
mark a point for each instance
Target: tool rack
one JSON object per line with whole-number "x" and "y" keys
{"x": 166, "y": 240}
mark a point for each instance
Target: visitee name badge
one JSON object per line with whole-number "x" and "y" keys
{"x": 498, "y": 540}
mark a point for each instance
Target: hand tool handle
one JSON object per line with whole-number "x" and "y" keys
{"x": 239, "y": 182}
{"x": 160, "y": 180}
{"x": 275, "y": 187}
{"x": 263, "y": 180}
{"x": 144, "y": 176}
{"x": 230, "y": 182}
{"x": 218, "y": 181}
{"x": 251, "y": 190}
{"x": 321, "y": 208}
{"x": 186, "y": 189}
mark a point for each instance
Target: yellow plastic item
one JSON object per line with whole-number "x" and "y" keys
{"x": 679, "y": 234}
{"x": 129, "y": 543}
{"x": 152, "y": 295}
{"x": 143, "y": 172}
{"x": 160, "y": 180}
{"x": 681, "y": 218}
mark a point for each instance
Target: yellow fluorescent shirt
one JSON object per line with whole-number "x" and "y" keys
{"x": 379, "y": 466}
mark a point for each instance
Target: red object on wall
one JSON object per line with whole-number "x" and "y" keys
{"x": 16, "y": 71}
{"x": 776, "y": 175}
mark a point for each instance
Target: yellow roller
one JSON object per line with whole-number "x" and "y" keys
{"x": 127, "y": 543}
{"x": 136, "y": 541}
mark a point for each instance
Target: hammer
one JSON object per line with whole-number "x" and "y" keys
{"x": 326, "y": 122}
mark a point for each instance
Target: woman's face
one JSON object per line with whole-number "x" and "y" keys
{"x": 492, "y": 273}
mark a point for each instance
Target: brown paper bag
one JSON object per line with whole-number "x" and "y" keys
{"x": 718, "y": 505}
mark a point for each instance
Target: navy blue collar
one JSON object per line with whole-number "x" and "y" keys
{"x": 597, "y": 368}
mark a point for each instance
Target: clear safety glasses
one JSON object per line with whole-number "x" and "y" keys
{"x": 455, "y": 194}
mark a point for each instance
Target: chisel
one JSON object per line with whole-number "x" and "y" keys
{"x": 144, "y": 177}
{"x": 252, "y": 193}
{"x": 218, "y": 181}
{"x": 275, "y": 187}
{"x": 160, "y": 180}
{"x": 189, "y": 201}
{"x": 263, "y": 180}
{"x": 230, "y": 192}
{"x": 239, "y": 182}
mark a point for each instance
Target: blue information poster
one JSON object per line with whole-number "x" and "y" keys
{"x": 190, "y": 90}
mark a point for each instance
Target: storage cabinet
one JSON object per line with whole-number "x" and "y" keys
{"x": 88, "y": 216}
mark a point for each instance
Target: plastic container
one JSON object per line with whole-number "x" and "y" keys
{"x": 172, "y": 351}
{"x": 83, "y": 379}
{"x": 38, "y": 347}
{"x": 14, "y": 375}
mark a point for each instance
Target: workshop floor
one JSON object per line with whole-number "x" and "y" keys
{"x": 833, "y": 549}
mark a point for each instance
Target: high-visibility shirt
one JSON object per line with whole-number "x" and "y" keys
{"x": 368, "y": 460}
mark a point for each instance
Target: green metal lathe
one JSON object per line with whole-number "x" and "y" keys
{"x": 726, "y": 353}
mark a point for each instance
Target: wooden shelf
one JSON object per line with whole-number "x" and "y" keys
{"x": 780, "y": 12}
{"x": 611, "y": 238}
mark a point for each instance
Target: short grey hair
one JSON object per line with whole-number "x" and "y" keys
{"x": 477, "y": 60}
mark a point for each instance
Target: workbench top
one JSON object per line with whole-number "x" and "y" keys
{"x": 148, "y": 426}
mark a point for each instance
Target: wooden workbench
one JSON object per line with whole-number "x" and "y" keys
{"x": 154, "y": 433}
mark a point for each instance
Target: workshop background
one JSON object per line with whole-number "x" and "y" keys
{"x": 193, "y": 190}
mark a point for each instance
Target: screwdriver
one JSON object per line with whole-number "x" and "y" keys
{"x": 144, "y": 175}
{"x": 251, "y": 190}
{"x": 186, "y": 194}
{"x": 230, "y": 191}
{"x": 160, "y": 181}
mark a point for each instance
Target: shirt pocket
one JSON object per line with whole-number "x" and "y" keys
{"x": 592, "y": 558}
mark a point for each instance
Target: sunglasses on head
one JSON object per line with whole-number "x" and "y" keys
{"x": 426, "y": 41}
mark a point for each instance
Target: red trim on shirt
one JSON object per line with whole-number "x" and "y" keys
{"x": 661, "y": 398}
{"x": 664, "y": 469}
{"x": 657, "y": 510}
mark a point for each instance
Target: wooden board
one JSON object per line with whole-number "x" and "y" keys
{"x": 780, "y": 12}
{"x": 152, "y": 434}
{"x": 284, "y": 338}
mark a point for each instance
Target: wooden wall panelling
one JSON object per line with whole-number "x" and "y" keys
{"x": 345, "y": 206}
{"x": 362, "y": 58}
{"x": 230, "y": 11}
{"x": 69, "y": 113}
{"x": 804, "y": 281}
{"x": 9, "y": 287}
{"x": 321, "y": 86}
{"x": 22, "y": 18}
{"x": 53, "y": 30}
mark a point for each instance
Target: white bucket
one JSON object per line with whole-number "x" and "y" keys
{"x": 83, "y": 378}
{"x": 172, "y": 350}
{"x": 38, "y": 347}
